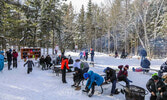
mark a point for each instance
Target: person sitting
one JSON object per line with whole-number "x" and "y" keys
{"x": 77, "y": 78}
{"x": 48, "y": 62}
{"x": 154, "y": 85}
{"x": 84, "y": 66}
{"x": 123, "y": 74}
{"x": 58, "y": 60}
{"x": 77, "y": 63}
{"x": 93, "y": 79}
{"x": 42, "y": 62}
{"x": 163, "y": 69}
{"x": 145, "y": 64}
{"x": 110, "y": 77}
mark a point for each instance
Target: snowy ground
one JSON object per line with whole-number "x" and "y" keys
{"x": 45, "y": 85}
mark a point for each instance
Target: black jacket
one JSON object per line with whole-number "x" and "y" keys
{"x": 48, "y": 59}
{"x": 9, "y": 56}
{"x": 70, "y": 61}
{"x": 151, "y": 85}
{"x": 111, "y": 75}
{"x": 30, "y": 64}
{"x": 42, "y": 61}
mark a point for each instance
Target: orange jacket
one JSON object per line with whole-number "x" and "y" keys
{"x": 63, "y": 64}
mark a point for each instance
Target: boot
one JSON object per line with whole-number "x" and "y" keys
{"x": 78, "y": 88}
{"x": 86, "y": 89}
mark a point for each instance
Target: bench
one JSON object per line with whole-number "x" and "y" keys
{"x": 57, "y": 69}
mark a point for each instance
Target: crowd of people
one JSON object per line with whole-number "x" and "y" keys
{"x": 156, "y": 85}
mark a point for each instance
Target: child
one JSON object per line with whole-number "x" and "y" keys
{"x": 93, "y": 79}
{"x": 30, "y": 64}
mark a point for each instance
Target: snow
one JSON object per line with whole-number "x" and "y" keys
{"x": 16, "y": 84}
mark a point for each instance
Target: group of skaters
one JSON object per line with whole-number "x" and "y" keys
{"x": 84, "y": 54}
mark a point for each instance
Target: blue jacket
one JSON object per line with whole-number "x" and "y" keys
{"x": 145, "y": 63}
{"x": 94, "y": 77}
{"x": 143, "y": 53}
{"x": 1, "y": 62}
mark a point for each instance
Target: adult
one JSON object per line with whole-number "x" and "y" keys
{"x": 123, "y": 55}
{"x": 48, "y": 61}
{"x": 110, "y": 77}
{"x": 154, "y": 85}
{"x": 56, "y": 49}
{"x": 93, "y": 79}
{"x": 143, "y": 54}
{"x": 64, "y": 66}
{"x": 77, "y": 63}
{"x": 1, "y": 60}
{"x": 15, "y": 55}
{"x": 163, "y": 69}
{"x": 86, "y": 55}
{"x": 145, "y": 64}
{"x": 92, "y": 55}
{"x": 42, "y": 62}
{"x": 81, "y": 54}
{"x": 70, "y": 61}
{"x": 84, "y": 66}
{"x": 77, "y": 78}
{"x": 9, "y": 58}
{"x": 116, "y": 54}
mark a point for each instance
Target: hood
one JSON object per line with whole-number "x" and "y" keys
{"x": 90, "y": 73}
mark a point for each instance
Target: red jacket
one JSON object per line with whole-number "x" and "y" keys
{"x": 15, "y": 55}
{"x": 64, "y": 63}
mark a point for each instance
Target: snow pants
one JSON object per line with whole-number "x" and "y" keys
{"x": 14, "y": 62}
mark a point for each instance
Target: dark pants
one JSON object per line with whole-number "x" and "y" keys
{"x": 92, "y": 56}
{"x": 93, "y": 87}
{"x": 9, "y": 64}
{"x": 29, "y": 70}
{"x": 43, "y": 66}
{"x": 124, "y": 78}
{"x": 86, "y": 57}
{"x": 153, "y": 97}
{"x": 113, "y": 87}
{"x": 48, "y": 65}
{"x": 14, "y": 62}
{"x": 64, "y": 75}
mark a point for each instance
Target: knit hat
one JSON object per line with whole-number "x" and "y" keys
{"x": 155, "y": 77}
{"x": 127, "y": 66}
{"x": 86, "y": 75}
{"x": 120, "y": 66}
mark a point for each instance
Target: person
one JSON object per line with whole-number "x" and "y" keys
{"x": 116, "y": 54}
{"x": 163, "y": 92}
{"x": 154, "y": 85}
{"x": 84, "y": 66}
{"x": 145, "y": 63}
{"x": 92, "y": 55}
{"x": 123, "y": 74}
{"x": 77, "y": 78}
{"x": 48, "y": 61}
{"x": 1, "y": 60}
{"x": 163, "y": 69}
{"x": 123, "y": 55}
{"x": 58, "y": 60}
{"x": 86, "y": 55}
{"x": 64, "y": 66}
{"x": 9, "y": 58}
{"x": 29, "y": 64}
{"x": 110, "y": 77}
{"x": 143, "y": 54}
{"x": 93, "y": 79}
{"x": 81, "y": 54}
{"x": 77, "y": 63}
{"x": 56, "y": 49}
{"x": 42, "y": 62}
{"x": 70, "y": 60}
{"x": 15, "y": 55}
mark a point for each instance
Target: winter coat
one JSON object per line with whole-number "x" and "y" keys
{"x": 143, "y": 53}
{"x": 110, "y": 74}
{"x": 152, "y": 87}
{"x": 30, "y": 64}
{"x": 15, "y": 55}
{"x": 48, "y": 59}
{"x": 9, "y": 56}
{"x": 92, "y": 53}
{"x": 145, "y": 63}
{"x": 81, "y": 54}
{"x": 84, "y": 65}
{"x": 64, "y": 63}
{"x": 78, "y": 75}
{"x": 42, "y": 61}
{"x": 122, "y": 74}
{"x": 164, "y": 90}
{"x": 1, "y": 62}
{"x": 70, "y": 61}
{"x": 164, "y": 67}
{"x": 94, "y": 77}
{"x": 77, "y": 64}
{"x": 86, "y": 53}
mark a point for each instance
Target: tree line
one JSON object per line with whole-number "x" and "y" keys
{"x": 113, "y": 25}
